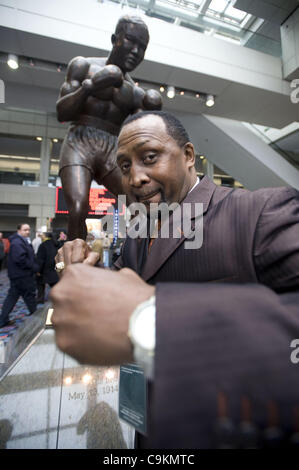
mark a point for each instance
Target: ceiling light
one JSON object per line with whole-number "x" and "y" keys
{"x": 55, "y": 141}
{"x": 170, "y": 92}
{"x": 110, "y": 374}
{"x": 39, "y": 139}
{"x": 86, "y": 378}
{"x": 13, "y": 61}
{"x": 162, "y": 89}
{"x": 202, "y": 157}
{"x": 210, "y": 101}
{"x": 182, "y": 93}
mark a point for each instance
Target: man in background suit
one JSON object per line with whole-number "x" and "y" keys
{"x": 226, "y": 313}
{"x": 21, "y": 266}
{"x": 45, "y": 258}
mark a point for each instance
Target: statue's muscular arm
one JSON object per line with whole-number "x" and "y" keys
{"x": 76, "y": 88}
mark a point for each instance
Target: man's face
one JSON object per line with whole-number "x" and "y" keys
{"x": 130, "y": 46}
{"x": 154, "y": 168}
{"x": 24, "y": 230}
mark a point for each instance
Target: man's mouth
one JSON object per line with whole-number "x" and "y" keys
{"x": 146, "y": 197}
{"x": 132, "y": 60}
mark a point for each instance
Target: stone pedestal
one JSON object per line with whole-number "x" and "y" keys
{"x": 49, "y": 401}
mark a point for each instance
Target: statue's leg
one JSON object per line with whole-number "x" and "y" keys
{"x": 76, "y": 181}
{"x": 112, "y": 182}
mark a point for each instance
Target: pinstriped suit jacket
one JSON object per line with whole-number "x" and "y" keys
{"x": 226, "y": 315}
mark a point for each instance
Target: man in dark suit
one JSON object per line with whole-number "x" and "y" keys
{"x": 21, "y": 267}
{"x": 226, "y": 313}
{"x": 46, "y": 265}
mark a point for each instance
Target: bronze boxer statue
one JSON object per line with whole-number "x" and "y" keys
{"x": 97, "y": 96}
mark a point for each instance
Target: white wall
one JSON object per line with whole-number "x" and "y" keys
{"x": 290, "y": 46}
{"x": 41, "y": 200}
{"x": 239, "y": 152}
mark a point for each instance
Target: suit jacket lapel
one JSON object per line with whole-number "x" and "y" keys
{"x": 163, "y": 248}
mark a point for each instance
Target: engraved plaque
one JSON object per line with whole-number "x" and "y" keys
{"x": 48, "y": 401}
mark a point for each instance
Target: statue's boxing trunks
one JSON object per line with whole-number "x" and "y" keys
{"x": 91, "y": 147}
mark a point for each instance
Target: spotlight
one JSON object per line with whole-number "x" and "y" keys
{"x": 162, "y": 89}
{"x": 39, "y": 139}
{"x": 210, "y": 101}
{"x": 170, "y": 92}
{"x": 13, "y": 61}
{"x": 86, "y": 378}
{"x": 110, "y": 374}
{"x": 197, "y": 95}
{"x": 182, "y": 93}
{"x": 55, "y": 141}
{"x": 202, "y": 157}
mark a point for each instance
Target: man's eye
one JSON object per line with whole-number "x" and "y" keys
{"x": 150, "y": 158}
{"x": 130, "y": 40}
{"x": 124, "y": 167}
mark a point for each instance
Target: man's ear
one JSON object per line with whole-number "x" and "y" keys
{"x": 189, "y": 154}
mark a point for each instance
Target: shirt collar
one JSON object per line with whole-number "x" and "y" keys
{"x": 196, "y": 183}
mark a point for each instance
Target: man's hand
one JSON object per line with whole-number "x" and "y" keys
{"x": 92, "y": 307}
{"x": 76, "y": 251}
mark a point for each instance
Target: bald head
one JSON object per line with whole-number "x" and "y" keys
{"x": 129, "y": 42}
{"x": 125, "y": 20}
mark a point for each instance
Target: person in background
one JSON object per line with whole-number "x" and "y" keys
{"x": 2, "y": 250}
{"x": 37, "y": 241}
{"x": 62, "y": 238}
{"x": 6, "y": 244}
{"x": 46, "y": 265}
{"x": 21, "y": 269}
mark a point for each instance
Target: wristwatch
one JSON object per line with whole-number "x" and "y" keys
{"x": 142, "y": 333}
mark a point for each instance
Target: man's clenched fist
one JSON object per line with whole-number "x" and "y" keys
{"x": 92, "y": 307}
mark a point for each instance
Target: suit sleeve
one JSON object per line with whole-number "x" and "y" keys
{"x": 276, "y": 245}
{"x": 223, "y": 358}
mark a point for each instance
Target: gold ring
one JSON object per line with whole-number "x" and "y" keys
{"x": 59, "y": 266}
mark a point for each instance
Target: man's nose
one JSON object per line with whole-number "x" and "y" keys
{"x": 135, "y": 49}
{"x": 138, "y": 176}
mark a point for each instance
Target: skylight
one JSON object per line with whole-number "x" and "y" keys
{"x": 223, "y": 9}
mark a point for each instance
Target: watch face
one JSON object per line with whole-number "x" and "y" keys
{"x": 143, "y": 328}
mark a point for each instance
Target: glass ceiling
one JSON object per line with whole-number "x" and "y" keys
{"x": 218, "y": 18}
